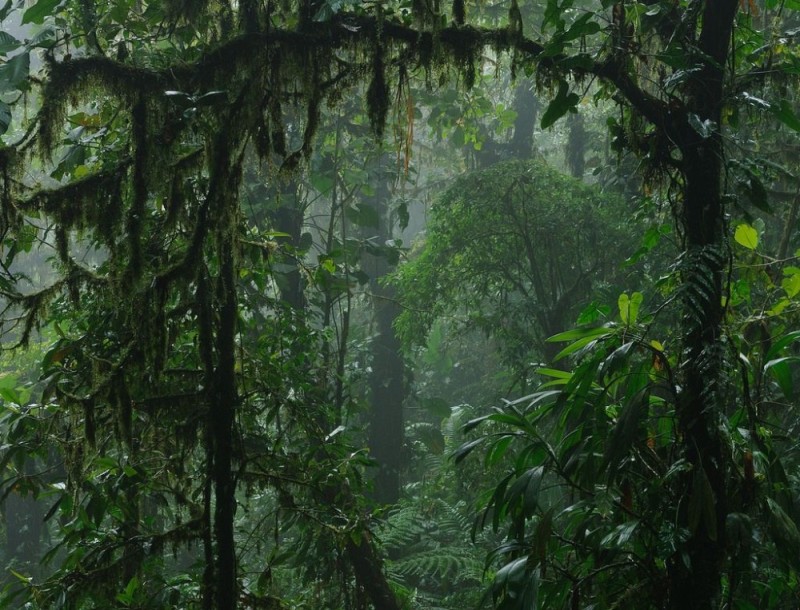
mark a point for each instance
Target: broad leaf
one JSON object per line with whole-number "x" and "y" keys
{"x": 786, "y": 115}
{"x": 746, "y": 236}
{"x": 15, "y": 71}
{"x": 40, "y": 11}
{"x": 560, "y": 105}
{"x": 8, "y": 43}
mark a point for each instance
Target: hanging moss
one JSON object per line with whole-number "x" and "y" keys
{"x": 139, "y": 189}
{"x": 378, "y": 94}
{"x": 89, "y": 424}
{"x": 277, "y": 130}
{"x": 87, "y": 203}
{"x": 76, "y": 80}
{"x": 10, "y": 216}
{"x": 465, "y": 49}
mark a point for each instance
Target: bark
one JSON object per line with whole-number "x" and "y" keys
{"x": 698, "y": 409}
{"x": 527, "y": 106}
{"x": 697, "y": 585}
{"x": 576, "y": 146}
{"x": 288, "y": 218}
{"x": 368, "y": 570}
{"x": 225, "y": 181}
{"x": 222, "y": 419}
{"x": 387, "y": 388}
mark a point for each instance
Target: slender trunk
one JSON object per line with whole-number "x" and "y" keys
{"x": 368, "y": 569}
{"x": 225, "y": 180}
{"x": 575, "y": 153}
{"x": 222, "y": 419}
{"x": 704, "y": 499}
{"x": 288, "y": 218}
{"x": 696, "y": 569}
{"x": 387, "y": 388}
{"x": 206, "y": 348}
{"x": 526, "y": 106}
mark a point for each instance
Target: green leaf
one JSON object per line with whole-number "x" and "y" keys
{"x": 582, "y": 27}
{"x": 791, "y": 283}
{"x": 786, "y": 115}
{"x": 524, "y": 492}
{"x": 560, "y": 105}
{"x": 629, "y": 307}
{"x": 781, "y": 372}
{"x": 497, "y": 450}
{"x": 786, "y": 534}
{"x": 576, "y": 346}
{"x": 780, "y": 344}
{"x": 464, "y": 450}
{"x": 705, "y": 128}
{"x": 39, "y": 11}
{"x": 45, "y": 39}
{"x": 581, "y": 333}
{"x": 15, "y": 71}
{"x": 8, "y": 43}
{"x": 746, "y": 236}
{"x": 620, "y": 535}
{"x": 438, "y": 407}
{"x": 624, "y": 433}
{"x": 7, "y": 8}
{"x": 558, "y": 374}
{"x": 623, "y": 302}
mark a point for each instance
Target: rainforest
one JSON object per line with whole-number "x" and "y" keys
{"x": 399, "y": 304}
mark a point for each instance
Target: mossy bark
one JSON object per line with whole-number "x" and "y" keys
{"x": 696, "y": 569}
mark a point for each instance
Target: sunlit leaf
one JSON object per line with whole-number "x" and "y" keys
{"x": 706, "y": 128}
{"x": 791, "y": 283}
{"x": 746, "y": 236}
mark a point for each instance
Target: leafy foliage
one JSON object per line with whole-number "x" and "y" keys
{"x": 515, "y": 250}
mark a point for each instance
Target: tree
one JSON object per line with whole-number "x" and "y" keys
{"x": 516, "y": 250}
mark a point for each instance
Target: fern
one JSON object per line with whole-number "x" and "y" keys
{"x": 430, "y": 552}
{"x": 441, "y": 563}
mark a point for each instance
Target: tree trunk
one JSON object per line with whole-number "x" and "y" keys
{"x": 695, "y": 571}
{"x": 222, "y": 419}
{"x": 527, "y": 106}
{"x": 224, "y": 183}
{"x": 288, "y": 218}
{"x": 387, "y": 387}
{"x": 696, "y": 585}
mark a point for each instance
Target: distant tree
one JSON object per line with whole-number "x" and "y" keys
{"x": 516, "y": 250}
